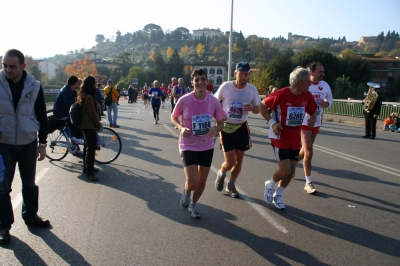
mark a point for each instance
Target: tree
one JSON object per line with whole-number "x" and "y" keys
{"x": 118, "y": 39}
{"x": 169, "y": 52}
{"x": 82, "y": 69}
{"x": 279, "y": 69}
{"x": 261, "y": 80}
{"x": 39, "y": 75}
{"x": 329, "y": 61}
{"x": 158, "y": 64}
{"x": 175, "y": 65}
{"x": 200, "y": 49}
{"x": 150, "y": 27}
{"x": 176, "y": 35}
{"x": 134, "y": 72}
{"x": 185, "y": 52}
{"x": 100, "y": 38}
{"x": 124, "y": 62}
{"x": 30, "y": 62}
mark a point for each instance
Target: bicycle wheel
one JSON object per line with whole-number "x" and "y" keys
{"x": 57, "y": 146}
{"x": 110, "y": 146}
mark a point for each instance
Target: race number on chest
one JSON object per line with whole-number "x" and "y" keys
{"x": 201, "y": 124}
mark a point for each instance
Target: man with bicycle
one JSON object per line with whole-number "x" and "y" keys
{"x": 63, "y": 102}
{"x": 23, "y": 121}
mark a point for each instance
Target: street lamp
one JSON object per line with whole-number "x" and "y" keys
{"x": 230, "y": 47}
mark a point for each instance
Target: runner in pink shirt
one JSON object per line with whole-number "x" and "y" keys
{"x": 196, "y": 138}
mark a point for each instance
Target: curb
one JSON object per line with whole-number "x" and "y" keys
{"x": 361, "y": 124}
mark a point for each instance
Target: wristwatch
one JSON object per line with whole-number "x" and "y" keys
{"x": 42, "y": 144}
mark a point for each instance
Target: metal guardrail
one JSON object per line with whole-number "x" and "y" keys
{"x": 355, "y": 108}
{"x": 352, "y": 108}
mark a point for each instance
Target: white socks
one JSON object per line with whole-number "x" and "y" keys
{"x": 308, "y": 179}
{"x": 279, "y": 191}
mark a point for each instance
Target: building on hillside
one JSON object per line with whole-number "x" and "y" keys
{"x": 216, "y": 71}
{"x": 206, "y": 32}
{"x": 94, "y": 57}
{"x": 47, "y": 67}
{"x": 385, "y": 71}
{"x": 366, "y": 39}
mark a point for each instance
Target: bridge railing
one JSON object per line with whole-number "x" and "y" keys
{"x": 355, "y": 108}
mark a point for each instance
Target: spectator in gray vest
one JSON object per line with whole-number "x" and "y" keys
{"x": 24, "y": 119}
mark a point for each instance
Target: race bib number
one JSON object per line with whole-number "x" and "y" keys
{"x": 201, "y": 124}
{"x": 155, "y": 94}
{"x": 235, "y": 110}
{"x": 295, "y": 116}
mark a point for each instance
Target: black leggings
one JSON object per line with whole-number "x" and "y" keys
{"x": 156, "y": 110}
{"x": 89, "y": 153}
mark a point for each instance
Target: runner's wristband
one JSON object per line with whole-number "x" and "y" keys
{"x": 271, "y": 122}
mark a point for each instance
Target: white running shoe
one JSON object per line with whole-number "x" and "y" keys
{"x": 185, "y": 200}
{"x": 309, "y": 188}
{"x": 269, "y": 192}
{"x": 193, "y": 209}
{"x": 277, "y": 200}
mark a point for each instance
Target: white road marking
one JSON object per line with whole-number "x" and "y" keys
{"x": 351, "y": 158}
{"x": 18, "y": 199}
{"x": 257, "y": 207}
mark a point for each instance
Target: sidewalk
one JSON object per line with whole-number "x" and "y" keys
{"x": 358, "y": 121}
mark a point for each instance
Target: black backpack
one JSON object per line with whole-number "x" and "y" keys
{"x": 108, "y": 98}
{"x": 75, "y": 114}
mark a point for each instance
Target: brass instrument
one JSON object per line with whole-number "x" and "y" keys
{"x": 372, "y": 96}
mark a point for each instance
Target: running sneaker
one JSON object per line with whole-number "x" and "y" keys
{"x": 277, "y": 200}
{"x": 269, "y": 192}
{"x": 193, "y": 209}
{"x": 155, "y": 121}
{"x": 309, "y": 188}
{"x": 219, "y": 182}
{"x": 232, "y": 190}
{"x": 185, "y": 200}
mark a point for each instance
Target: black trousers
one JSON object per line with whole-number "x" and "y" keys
{"x": 172, "y": 105}
{"x": 370, "y": 125}
{"x": 89, "y": 151}
{"x": 156, "y": 110}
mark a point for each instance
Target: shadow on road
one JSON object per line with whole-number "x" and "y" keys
{"x": 145, "y": 184}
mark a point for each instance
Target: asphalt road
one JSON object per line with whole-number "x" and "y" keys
{"x": 132, "y": 215}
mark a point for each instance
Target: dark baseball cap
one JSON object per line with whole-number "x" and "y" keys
{"x": 243, "y": 66}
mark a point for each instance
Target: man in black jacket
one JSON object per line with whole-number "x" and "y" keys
{"x": 372, "y": 115}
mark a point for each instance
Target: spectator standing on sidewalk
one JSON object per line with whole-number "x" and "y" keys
{"x": 112, "y": 109}
{"x": 99, "y": 99}
{"x": 372, "y": 116}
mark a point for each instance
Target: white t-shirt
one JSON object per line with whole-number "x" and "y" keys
{"x": 321, "y": 93}
{"x": 233, "y": 100}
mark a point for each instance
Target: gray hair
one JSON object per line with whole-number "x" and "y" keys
{"x": 298, "y": 75}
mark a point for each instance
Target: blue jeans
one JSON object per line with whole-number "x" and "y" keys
{"x": 25, "y": 156}
{"x": 394, "y": 128}
{"x": 114, "y": 108}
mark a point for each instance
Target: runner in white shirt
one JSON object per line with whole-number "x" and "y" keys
{"x": 323, "y": 97}
{"x": 238, "y": 98}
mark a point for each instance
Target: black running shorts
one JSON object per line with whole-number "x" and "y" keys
{"x": 202, "y": 158}
{"x": 240, "y": 139}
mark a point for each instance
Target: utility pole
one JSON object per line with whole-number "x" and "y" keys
{"x": 230, "y": 47}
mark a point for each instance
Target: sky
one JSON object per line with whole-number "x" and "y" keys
{"x": 44, "y": 28}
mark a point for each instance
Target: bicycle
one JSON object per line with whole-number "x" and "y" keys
{"x": 60, "y": 144}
